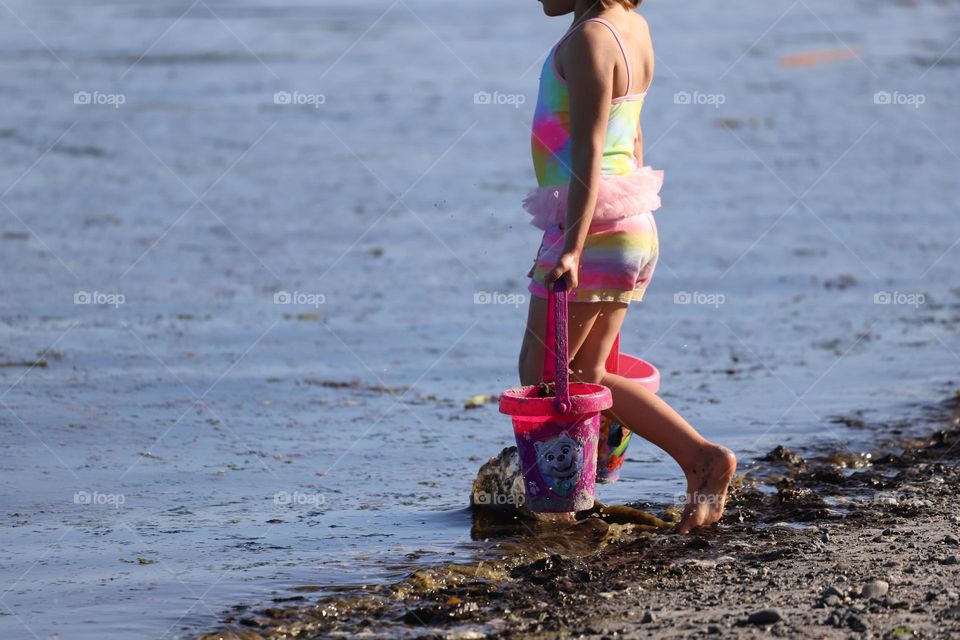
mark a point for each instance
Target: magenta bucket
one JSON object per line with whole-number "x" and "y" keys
{"x": 557, "y": 435}
{"x": 614, "y": 437}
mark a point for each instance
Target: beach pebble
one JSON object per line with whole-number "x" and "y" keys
{"x": 700, "y": 563}
{"x": 856, "y": 623}
{"x": 765, "y": 616}
{"x": 647, "y": 617}
{"x": 875, "y": 589}
{"x": 951, "y": 540}
{"x": 831, "y": 591}
{"x": 954, "y": 559}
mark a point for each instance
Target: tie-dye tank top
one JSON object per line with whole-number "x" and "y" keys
{"x": 626, "y": 189}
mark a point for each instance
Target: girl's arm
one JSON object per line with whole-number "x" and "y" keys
{"x": 588, "y": 67}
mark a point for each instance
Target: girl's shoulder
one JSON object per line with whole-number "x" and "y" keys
{"x": 590, "y": 38}
{"x": 594, "y": 37}
{"x": 638, "y": 19}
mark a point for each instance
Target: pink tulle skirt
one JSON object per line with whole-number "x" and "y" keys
{"x": 619, "y": 197}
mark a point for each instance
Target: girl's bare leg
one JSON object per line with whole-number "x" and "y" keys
{"x": 708, "y": 467}
{"x": 532, "y": 349}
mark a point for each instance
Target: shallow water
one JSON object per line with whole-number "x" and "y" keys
{"x": 208, "y": 426}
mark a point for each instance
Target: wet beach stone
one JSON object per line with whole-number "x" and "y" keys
{"x": 770, "y": 615}
{"x": 874, "y": 589}
{"x": 781, "y": 454}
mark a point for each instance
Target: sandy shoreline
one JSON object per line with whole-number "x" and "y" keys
{"x": 835, "y": 544}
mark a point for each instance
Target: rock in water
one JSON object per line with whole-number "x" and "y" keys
{"x": 499, "y": 489}
{"x": 499, "y": 485}
{"x": 782, "y": 454}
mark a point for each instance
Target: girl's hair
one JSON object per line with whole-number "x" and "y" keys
{"x": 629, "y": 4}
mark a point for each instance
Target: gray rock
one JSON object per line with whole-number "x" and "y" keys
{"x": 831, "y": 591}
{"x": 856, "y": 623}
{"x": 499, "y": 486}
{"x": 765, "y": 616}
{"x": 647, "y": 617}
{"x": 875, "y": 589}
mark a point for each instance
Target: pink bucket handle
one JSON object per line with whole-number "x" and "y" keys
{"x": 556, "y": 354}
{"x": 613, "y": 359}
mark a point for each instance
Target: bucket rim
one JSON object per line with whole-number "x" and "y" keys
{"x": 585, "y": 398}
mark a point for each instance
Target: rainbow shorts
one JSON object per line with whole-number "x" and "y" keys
{"x": 616, "y": 265}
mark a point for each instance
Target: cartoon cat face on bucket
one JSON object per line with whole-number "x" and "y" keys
{"x": 560, "y": 461}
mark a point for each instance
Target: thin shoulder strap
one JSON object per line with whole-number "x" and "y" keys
{"x": 623, "y": 49}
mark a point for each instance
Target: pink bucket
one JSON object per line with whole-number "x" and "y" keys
{"x": 614, "y": 437}
{"x": 557, "y": 435}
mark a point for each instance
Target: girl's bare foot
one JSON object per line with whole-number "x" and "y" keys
{"x": 707, "y": 486}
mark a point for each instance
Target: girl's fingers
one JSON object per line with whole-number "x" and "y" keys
{"x": 554, "y": 275}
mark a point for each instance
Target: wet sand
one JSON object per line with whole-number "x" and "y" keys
{"x": 834, "y": 544}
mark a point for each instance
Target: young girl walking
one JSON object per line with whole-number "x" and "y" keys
{"x": 595, "y": 203}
